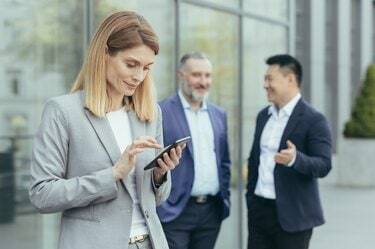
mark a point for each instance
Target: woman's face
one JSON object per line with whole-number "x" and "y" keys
{"x": 127, "y": 69}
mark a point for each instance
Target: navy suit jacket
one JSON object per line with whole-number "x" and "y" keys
{"x": 297, "y": 195}
{"x": 175, "y": 126}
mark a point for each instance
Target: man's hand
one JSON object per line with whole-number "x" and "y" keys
{"x": 286, "y": 156}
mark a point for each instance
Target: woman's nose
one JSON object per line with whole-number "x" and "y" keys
{"x": 138, "y": 75}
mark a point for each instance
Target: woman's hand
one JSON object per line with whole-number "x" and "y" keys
{"x": 169, "y": 162}
{"x": 128, "y": 158}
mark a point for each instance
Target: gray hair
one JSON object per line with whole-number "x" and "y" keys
{"x": 191, "y": 55}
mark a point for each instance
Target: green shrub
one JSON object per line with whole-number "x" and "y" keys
{"x": 362, "y": 122}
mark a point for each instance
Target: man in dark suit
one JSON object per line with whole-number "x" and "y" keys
{"x": 199, "y": 199}
{"x": 291, "y": 149}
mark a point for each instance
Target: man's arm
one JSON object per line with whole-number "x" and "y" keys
{"x": 317, "y": 161}
{"x": 226, "y": 163}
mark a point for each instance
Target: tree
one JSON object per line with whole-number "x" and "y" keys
{"x": 362, "y": 122}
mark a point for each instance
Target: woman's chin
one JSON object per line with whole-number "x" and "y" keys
{"x": 129, "y": 93}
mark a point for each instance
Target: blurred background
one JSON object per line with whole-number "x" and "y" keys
{"x": 43, "y": 44}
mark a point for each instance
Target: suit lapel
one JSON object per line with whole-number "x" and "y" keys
{"x": 292, "y": 122}
{"x": 264, "y": 116}
{"x": 138, "y": 129}
{"x": 182, "y": 121}
{"x": 262, "y": 123}
{"x": 215, "y": 129}
{"x": 104, "y": 132}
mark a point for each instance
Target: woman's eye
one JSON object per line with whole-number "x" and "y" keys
{"x": 130, "y": 65}
{"x": 146, "y": 69}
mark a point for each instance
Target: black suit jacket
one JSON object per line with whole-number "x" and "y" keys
{"x": 297, "y": 195}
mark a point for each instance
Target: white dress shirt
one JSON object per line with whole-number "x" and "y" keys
{"x": 206, "y": 179}
{"x": 269, "y": 145}
{"x": 119, "y": 122}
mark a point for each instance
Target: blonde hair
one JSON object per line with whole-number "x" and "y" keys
{"x": 119, "y": 31}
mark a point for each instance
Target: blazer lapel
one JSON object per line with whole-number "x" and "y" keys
{"x": 104, "y": 132}
{"x": 262, "y": 123}
{"x": 182, "y": 122}
{"x": 138, "y": 129}
{"x": 215, "y": 128}
{"x": 292, "y": 122}
{"x": 263, "y": 118}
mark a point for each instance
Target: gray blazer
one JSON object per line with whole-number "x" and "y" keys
{"x": 71, "y": 173}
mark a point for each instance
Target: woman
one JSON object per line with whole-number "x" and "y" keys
{"x": 92, "y": 145}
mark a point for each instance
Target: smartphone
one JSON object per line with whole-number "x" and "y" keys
{"x": 167, "y": 149}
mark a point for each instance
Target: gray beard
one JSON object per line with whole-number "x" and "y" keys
{"x": 199, "y": 98}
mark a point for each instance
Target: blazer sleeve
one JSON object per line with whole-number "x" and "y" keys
{"x": 50, "y": 191}
{"x": 162, "y": 192}
{"x": 316, "y": 162}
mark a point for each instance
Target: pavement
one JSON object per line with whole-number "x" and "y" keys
{"x": 349, "y": 212}
{"x": 350, "y": 220}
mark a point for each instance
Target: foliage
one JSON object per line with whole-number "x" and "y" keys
{"x": 362, "y": 122}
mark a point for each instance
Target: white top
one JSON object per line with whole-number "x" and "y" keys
{"x": 206, "y": 178}
{"x": 269, "y": 145}
{"x": 119, "y": 122}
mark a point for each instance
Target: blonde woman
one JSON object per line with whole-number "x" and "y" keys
{"x": 92, "y": 145}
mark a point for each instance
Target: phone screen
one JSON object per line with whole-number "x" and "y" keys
{"x": 166, "y": 149}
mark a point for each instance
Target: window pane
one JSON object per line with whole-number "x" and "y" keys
{"x": 219, "y": 40}
{"x": 40, "y": 54}
{"x": 226, "y": 3}
{"x": 261, "y": 40}
{"x": 160, "y": 15}
{"x": 277, "y": 9}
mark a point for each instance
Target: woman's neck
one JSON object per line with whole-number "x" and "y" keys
{"x": 116, "y": 102}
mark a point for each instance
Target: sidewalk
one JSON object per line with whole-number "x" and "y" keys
{"x": 350, "y": 224}
{"x": 350, "y": 220}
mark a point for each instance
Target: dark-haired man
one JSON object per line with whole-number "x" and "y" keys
{"x": 291, "y": 149}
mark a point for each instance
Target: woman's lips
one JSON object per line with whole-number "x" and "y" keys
{"x": 130, "y": 85}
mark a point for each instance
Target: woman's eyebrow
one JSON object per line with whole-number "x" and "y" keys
{"x": 131, "y": 58}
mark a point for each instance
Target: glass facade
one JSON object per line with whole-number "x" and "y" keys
{"x": 331, "y": 60}
{"x": 275, "y": 9}
{"x": 42, "y": 50}
{"x": 303, "y": 44}
{"x": 260, "y": 41}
